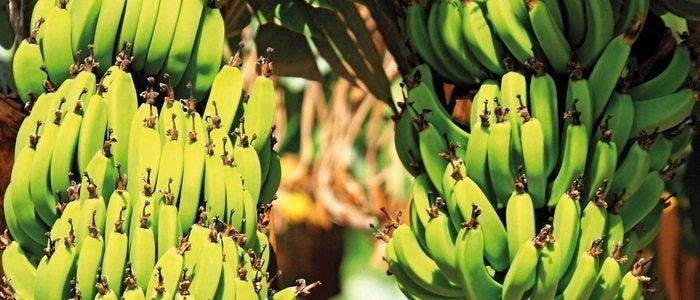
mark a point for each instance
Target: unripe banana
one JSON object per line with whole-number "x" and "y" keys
{"x": 520, "y": 217}
{"x": 18, "y": 269}
{"x": 58, "y": 55}
{"x": 598, "y": 32}
{"x": 550, "y": 36}
{"x": 106, "y": 31}
{"x": 512, "y": 32}
{"x": 584, "y": 277}
{"x": 162, "y": 35}
{"x": 27, "y": 65}
{"x": 167, "y": 271}
{"x": 669, "y": 80}
{"x": 142, "y": 247}
{"x": 115, "y": 254}
{"x": 500, "y": 157}
{"x": 542, "y": 90}
{"x": 83, "y": 14}
{"x": 470, "y": 248}
{"x": 532, "y": 141}
{"x": 209, "y": 266}
{"x": 521, "y": 274}
{"x": 90, "y": 259}
{"x": 573, "y": 158}
{"x": 610, "y": 275}
{"x": 184, "y": 36}
{"x": 480, "y": 38}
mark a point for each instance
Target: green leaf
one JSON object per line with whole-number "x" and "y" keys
{"x": 292, "y": 56}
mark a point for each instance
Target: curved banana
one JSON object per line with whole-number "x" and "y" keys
{"x": 168, "y": 270}
{"x": 106, "y": 31}
{"x": 521, "y": 274}
{"x": 500, "y": 157}
{"x": 514, "y": 96}
{"x": 567, "y": 227}
{"x": 209, "y": 266}
{"x": 610, "y": 275}
{"x": 439, "y": 239}
{"x": 450, "y": 21}
{"x": 470, "y": 248}
{"x": 417, "y": 30}
{"x": 476, "y": 160}
{"x": 62, "y": 159}
{"x": 118, "y": 206}
{"x": 643, "y": 201}
{"x": 406, "y": 140}
{"x": 435, "y": 24}
{"x": 578, "y": 96}
{"x": 466, "y": 192}
{"x": 512, "y": 32}
{"x": 193, "y": 162}
{"x": 610, "y": 65}
{"x": 617, "y": 119}
{"x": 634, "y": 281}
{"x": 532, "y": 141}
{"x": 631, "y": 10}
{"x": 684, "y": 9}
{"x": 17, "y": 268}
{"x": 61, "y": 267}
{"x": 83, "y": 14}
{"x": 129, "y": 22}
{"x": 115, "y": 254}
{"x": 260, "y": 108}
{"x": 122, "y": 103}
{"x": 58, "y": 56}
{"x": 163, "y": 35}
{"x": 542, "y": 90}
{"x": 550, "y": 36}
{"x": 27, "y": 63}
{"x": 520, "y": 217}
{"x": 148, "y": 16}
{"x": 93, "y": 209}
{"x": 481, "y": 39}
{"x": 584, "y": 277}
{"x": 601, "y": 166}
{"x": 573, "y": 158}
{"x": 90, "y": 259}
{"x": 663, "y": 112}
{"x": 185, "y": 33}
{"x": 420, "y": 267}
{"x": 171, "y": 170}
{"x": 142, "y": 247}
{"x": 93, "y": 128}
{"x": 169, "y": 226}
{"x": 42, "y": 195}
{"x": 207, "y": 54}
{"x": 598, "y": 32}
{"x": 630, "y": 173}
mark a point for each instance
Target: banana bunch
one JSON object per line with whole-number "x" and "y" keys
{"x": 118, "y": 193}
{"x": 466, "y": 42}
{"x": 556, "y": 180}
{"x": 183, "y": 38}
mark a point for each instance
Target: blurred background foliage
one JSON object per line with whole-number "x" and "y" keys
{"x": 338, "y": 65}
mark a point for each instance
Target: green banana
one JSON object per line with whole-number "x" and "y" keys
{"x": 29, "y": 61}
{"x": 106, "y": 31}
{"x": 573, "y": 158}
{"x": 162, "y": 36}
{"x": 550, "y": 36}
{"x": 121, "y": 98}
{"x": 261, "y": 105}
{"x": 41, "y": 9}
{"x": 520, "y": 217}
{"x": 659, "y": 151}
{"x": 512, "y": 32}
{"x": 489, "y": 91}
{"x": 133, "y": 291}
{"x": 476, "y": 160}
{"x": 209, "y": 266}
{"x": 83, "y": 15}
{"x": 395, "y": 268}
{"x": 146, "y": 118}
{"x": 90, "y": 259}
{"x": 663, "y": 112}
{"x": 542, "y": 90}
{"x": 513, "y": 97}
{"x": 406, "y": 140}
{"x": 631, "y": 171}
{"x": 92, "y": 208}
{"x": 248, "y": 162}
{"x": 171, "y": 264}
{"x": 169, "y": 226}
{"x": 420, "y": 267}
{"x": 148, "y": 16}
{"x": 207, "y": 54}
{"x": 578, "y": 96}
{"x": 39, "y": 109}
{"x": 417, "y": 31}
{"x": 92, "y": 130}
{"x": 13, "y": 225}
{"x": 43, "y": 196}
{"x": 532, "y": 141}
{"x": 58, "y": 56}
{"x": 617, "y": 119}
{"x": 197, "y": 236}
{"x": 465, "y": 193}
{"x": 129, "y": 23}
{"x": 480, "y": 38}
{"x": 169, "y": 108}
{"x": 193, "y": 162}
{"x": 609, "y": 67}
{"x": 115, "y": 254}
{"x": 142, "y": 247}
{"x": 598, "y": 32}
{"x": 567, "y": 227}
{"x": 642, "y": 201}
{"x": 469, "y": 248}
{"x": 102, "y": 170}
{"x": 439, "y": 239}
{"x": 435, "y": 25}
{"x": 118, "y": 206}
{"x": 183, "y": 39}
{"x": 610, "y": 276}
{"x": 18, "y": 269}
{"x": 449, "y": 16}
{"x": 61, "y": 267}
{"x": 576, "y": 21}
{"x": 139, "y": 208}
{"x": 104, "y": 292}
{"x": 500, "y": 157}
{"x": 630, "y": 10}
{"x": 584, "y": 277}
{"x": 171, "y": 170}
{"x": 634, "y": 281}
{"x": 431, "y": 145}
{"x": 62, "y": 159}
{"x": 601, "y": 166}
{"x": 148, "y": 153}
{"x": 521, "y": 274}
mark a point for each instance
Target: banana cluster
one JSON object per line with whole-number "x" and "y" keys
{"x": 114, "y": 195}
{"x": 466, "y": 41}
{"x": 183, "y": 38}
{"x": 555, "y": 181}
